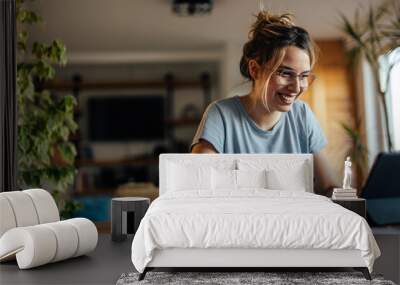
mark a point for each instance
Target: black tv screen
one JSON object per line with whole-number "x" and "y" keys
{"x": 127, "y": 118}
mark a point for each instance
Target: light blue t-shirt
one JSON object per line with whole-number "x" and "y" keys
{"x": 229, "y": 128}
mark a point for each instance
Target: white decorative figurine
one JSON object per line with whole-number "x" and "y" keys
{"x": 346, "y": 192}
{"x": 347, "y": 174}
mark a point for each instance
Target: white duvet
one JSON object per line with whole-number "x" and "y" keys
{"x": 250, "y": 219}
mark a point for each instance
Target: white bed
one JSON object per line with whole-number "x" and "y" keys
{"x": 225, "y": 210}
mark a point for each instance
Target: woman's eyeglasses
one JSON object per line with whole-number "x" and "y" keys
{"x": 287, "y": 77}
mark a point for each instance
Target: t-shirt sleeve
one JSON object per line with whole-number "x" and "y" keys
{"x": 211, "y": 128}
{"x": 315, "y": 136}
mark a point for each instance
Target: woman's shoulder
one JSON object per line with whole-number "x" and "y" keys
{"x": 228, "y": 102}
{"x": 224, "y": 105}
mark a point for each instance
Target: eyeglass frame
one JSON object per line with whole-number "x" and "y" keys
{"x": 310, "y": 77}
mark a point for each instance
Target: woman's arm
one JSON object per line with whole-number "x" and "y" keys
{"x": 203, "y": 146}
{"x": 325, "y": 179}
{"x": 210, "y": 134}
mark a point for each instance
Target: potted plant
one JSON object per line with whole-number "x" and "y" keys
{"x": 371, "y": 36}
{"x": 45, "y": 121}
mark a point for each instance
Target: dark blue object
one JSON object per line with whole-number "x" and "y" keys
{"x": 384, "y": 178}
{"x": 95, "y": 208}
{"x": 382, "y": 190}
{"x": 384, "y": 211}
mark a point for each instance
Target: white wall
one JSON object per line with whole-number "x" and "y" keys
{"x": 232, "y": 82}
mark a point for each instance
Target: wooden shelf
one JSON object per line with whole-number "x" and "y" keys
{"x": 167, "y": 86}
{"x": 183, "y": 121}
{"x": 63, "y": 85}
{"x": 117, "y": 162}
{"x": 95, "y": 192}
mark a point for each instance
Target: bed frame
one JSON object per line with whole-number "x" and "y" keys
{"x": 247, "y": 259}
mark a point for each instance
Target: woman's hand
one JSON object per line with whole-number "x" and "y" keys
{"x": 203, "y": 146}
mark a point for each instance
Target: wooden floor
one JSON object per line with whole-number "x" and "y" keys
{"x": 388, "y": 264}
{"x": 110, "y": 259}
{"x": 102, "y": 266}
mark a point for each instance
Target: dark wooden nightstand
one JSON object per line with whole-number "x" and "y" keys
{"x": 357, "y": 205}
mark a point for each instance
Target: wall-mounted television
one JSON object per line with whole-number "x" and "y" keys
{"x": 126, "y": 118}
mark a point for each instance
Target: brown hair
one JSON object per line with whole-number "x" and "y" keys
{"x": 269, "y": 37}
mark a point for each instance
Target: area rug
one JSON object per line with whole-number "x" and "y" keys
{"x": 230, "y": 278}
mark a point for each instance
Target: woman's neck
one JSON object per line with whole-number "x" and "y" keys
{"x": 265, "y": 119}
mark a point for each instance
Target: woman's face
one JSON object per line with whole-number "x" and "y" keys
{"x": 283, "y": 87}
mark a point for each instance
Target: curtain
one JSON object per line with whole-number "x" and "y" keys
{"x": 8, "y": 110}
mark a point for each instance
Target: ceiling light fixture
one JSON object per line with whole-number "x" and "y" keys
{"x": 192, "y": 7}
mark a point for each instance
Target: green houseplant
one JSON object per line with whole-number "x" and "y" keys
{"x": 45, "y": 121}
{"x": 370, "y": 36}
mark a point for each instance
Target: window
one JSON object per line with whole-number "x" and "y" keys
{"x": 390, "y": 81}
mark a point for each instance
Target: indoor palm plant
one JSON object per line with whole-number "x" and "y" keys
{"x": 372, "y": 35}
{"x": 45, "y": 121}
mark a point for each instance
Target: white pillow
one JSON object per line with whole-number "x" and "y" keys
{"x": 282, "y": 174}
{"x": 227, "y": 179}
{"x": 183, "y": 178}
{"x": 223, "y": 179}
{"x": 290, "y": 179}
{"x": 251, "y": 178}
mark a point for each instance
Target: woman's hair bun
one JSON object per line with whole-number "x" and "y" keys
{"x": 267, "y": 22}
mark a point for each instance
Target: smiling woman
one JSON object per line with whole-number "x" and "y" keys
{"x": 278, "y": 60}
